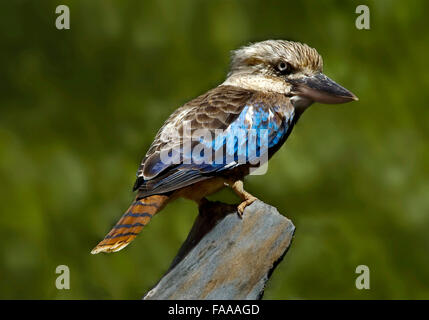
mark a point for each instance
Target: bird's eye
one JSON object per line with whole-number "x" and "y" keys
{"x": 284, "y": 67}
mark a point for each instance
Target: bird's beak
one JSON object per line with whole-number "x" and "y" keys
{"x": 320, "y": 88}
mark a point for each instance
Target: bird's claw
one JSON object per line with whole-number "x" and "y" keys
{"x": 243, "y": 205}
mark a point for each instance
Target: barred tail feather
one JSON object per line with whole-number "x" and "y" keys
{"x": 131, "y": 223}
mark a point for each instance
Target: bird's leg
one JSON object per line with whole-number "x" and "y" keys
{"x": 247, "y": 198}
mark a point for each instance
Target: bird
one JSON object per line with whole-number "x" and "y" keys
{"x": 268, "y": 87}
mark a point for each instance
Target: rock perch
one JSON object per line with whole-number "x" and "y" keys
{"x": 225, "y": 257}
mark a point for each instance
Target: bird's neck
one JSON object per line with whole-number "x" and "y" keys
{"x": 258, "y": 83}
{"x": 268, "y": 85}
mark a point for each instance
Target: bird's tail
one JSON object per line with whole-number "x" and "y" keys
{"x": 131, "y": 223}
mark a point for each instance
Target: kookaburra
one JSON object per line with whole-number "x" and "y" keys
{"x": 269, "y": 85}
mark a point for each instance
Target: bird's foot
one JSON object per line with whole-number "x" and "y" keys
{"x": 247, "y": 198}
{"x": 244, "y": 204}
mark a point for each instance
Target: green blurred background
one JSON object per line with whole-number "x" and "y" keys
{"x": 80, "y": 107}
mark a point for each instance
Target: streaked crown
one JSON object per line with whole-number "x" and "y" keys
{"x": 262, "y": 55}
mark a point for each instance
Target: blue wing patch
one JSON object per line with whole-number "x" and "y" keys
{"x": 246, "y": 140}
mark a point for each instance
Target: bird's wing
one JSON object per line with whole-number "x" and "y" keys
{"x": 222, "y": 115}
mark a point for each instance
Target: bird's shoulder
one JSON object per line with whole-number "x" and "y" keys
{"x": 218, "y": 103}
{"x": 218, "y": 107}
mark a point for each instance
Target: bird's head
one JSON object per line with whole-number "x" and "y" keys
{"x": 290, "y": 68}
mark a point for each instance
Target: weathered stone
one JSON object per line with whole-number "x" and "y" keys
{"x": 225, "y": 257}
